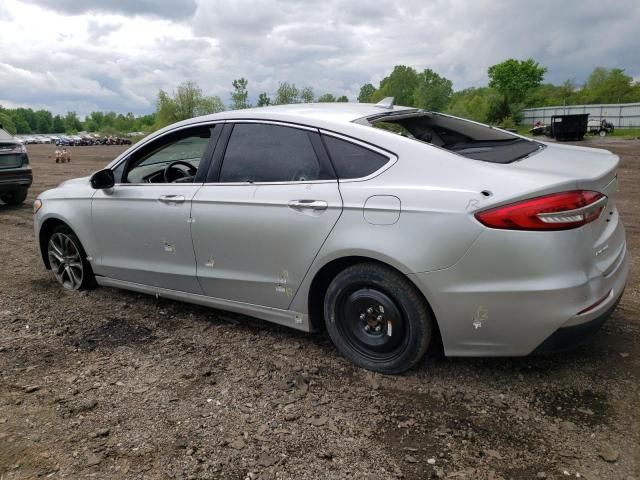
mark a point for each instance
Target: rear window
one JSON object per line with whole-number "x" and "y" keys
{"x": 351, "y": 160}
{"x": 463, "y": 137}
{"x": 9, "y": 158}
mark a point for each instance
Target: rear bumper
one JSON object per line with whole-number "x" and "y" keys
{"x": 501, "y": 300}
{"x": 10, "y": 181}
{"x": 567, "y": 338}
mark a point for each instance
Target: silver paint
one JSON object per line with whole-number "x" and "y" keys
{"x": 531, "y": 282}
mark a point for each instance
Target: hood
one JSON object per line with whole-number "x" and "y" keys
{"x": 75, "y": 181}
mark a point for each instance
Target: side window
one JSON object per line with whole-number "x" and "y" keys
{"x": 183, "y": 150}
{"x": 270, "y": 153}
{"x": 351, "y": 160}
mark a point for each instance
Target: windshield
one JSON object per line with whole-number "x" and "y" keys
{"x": 466, "y": 138}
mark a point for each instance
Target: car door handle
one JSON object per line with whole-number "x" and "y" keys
{"x": 171, "y": 199}
{"x": 317, "y": 205}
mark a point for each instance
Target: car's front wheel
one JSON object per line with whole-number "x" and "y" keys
{"x": 68, "y": 260}
{"x": 377, "y": 319}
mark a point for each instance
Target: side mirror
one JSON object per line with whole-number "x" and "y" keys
{"x": 103, "y": 179}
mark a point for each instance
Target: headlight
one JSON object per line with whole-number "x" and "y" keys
{"x": 37, "y": 205}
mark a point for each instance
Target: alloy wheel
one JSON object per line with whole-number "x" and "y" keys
{"x": 65, "y": 261}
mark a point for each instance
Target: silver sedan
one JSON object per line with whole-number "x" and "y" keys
{"x": 391, "y": 227}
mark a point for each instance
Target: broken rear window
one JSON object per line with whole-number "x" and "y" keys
{"x": 463, "y": 137}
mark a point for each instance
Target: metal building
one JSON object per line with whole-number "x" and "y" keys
{"x": 622, "y": 115}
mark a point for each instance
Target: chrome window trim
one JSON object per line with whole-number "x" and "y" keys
{"x": 275, "y": 122}
{"x": 393, "y": 158}
{"x": 154, "y": 184}
{"x": 236, "y": 184}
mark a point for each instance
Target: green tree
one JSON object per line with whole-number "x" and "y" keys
{"x": 609, "y": 86}
{"x": 186, "y": 102}
{"x": 549, "y": 95}
{"x": 22, "y": 126}
{"x": 342, "y": 99}
{"x": 514, "y": 79}
{"x": 366, "y": 93}
{"x": 57, "y": 125}
{"x": 264, "y": 99}
{"x": 400, "y": 84}
{"x": 240, "y": 94}
{"x": 7, "y": 124}
{"x": 44, "y": 121}
{"x": 209, "y": 105}
{"x": 306, "y": 95}
{"x": 94, "y": 122}
{"x": 432, "y": 92}
{"x": 165, "y": 109}
{"x": 72, "y": 123}
{"x": 287, "y": 93}
{"x": 473, "y": 103}
{"x": 326, "y": 98}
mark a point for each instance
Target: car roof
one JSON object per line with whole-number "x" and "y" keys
{"x": 313, "y": 113}
{"x": 6, "y": 136}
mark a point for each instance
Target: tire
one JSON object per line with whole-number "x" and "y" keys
{"x": 16, "y": 197}
{"x": 377, "y": 318}
{"x": 68, "y": 260}
{"x": 602, "y": 133}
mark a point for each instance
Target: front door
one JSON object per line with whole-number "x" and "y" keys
{"x": 258, "y": 226}
{"x": 143, "y": 223}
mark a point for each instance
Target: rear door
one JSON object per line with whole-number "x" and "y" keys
{"x": 269, "y": 204}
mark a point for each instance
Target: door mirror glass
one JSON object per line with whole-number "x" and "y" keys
{"x": 103, "y": 179}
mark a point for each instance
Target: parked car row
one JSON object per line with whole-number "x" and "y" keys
{"x": 73, "y": 140}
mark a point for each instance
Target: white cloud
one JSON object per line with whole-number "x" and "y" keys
{"x": 115, "y": 55}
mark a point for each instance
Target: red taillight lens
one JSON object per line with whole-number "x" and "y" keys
{"x": 558, "y": 211}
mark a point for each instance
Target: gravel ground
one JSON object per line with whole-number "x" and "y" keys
{"x": 112, "y": 384}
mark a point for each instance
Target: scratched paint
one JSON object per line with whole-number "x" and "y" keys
{"x": 481, "y": 315}
{"x": 283, "y": 280}
{"x": 169, "y": 248}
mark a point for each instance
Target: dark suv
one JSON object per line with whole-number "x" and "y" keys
{"x": 15, "y": 172}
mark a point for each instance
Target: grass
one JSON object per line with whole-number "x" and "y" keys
{"x": 624, "y": 133}
{"x": 628, "y": 133}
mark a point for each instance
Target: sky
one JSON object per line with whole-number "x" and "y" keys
{"x": 114, "y": 55}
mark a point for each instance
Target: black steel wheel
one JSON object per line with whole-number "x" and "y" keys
{"x": 68, "y": 260}
{"x": 377, "y": 319}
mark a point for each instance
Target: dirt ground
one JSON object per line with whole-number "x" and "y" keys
{"x": 111, "y": 384}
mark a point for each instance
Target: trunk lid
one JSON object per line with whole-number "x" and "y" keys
{"x": 567, "y": 167}
{"x": 589, "y": 168}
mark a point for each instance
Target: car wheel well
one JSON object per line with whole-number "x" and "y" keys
{"x": 323, "y": 278}
{"x": 43, "y": 237}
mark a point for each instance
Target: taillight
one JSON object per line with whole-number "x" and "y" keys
{"x": 557, "y": 211}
